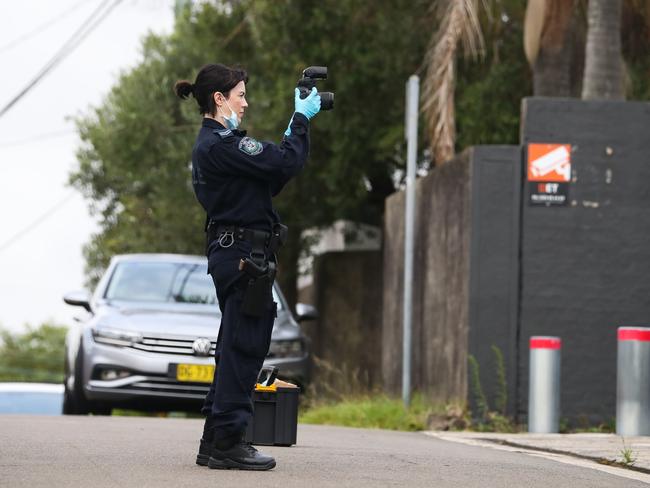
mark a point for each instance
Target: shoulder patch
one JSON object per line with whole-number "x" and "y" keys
{"x": 223, "y": 133}
{"x": 250, "y": 146}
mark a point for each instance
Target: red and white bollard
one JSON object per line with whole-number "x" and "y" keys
{"x": 633, "y": 381}
{"x": 544, "y": 385}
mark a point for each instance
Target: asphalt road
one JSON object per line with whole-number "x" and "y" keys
{"x": 150, "y": 452}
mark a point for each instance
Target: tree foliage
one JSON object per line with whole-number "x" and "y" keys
{"x": 489, "y": 93}
{"x": 36, "y": 354}
{"x": 134, "y": 162}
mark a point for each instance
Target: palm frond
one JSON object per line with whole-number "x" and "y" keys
{"x": 458, "y": 25}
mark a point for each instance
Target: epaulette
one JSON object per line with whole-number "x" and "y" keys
{"x": 223, "y": 133}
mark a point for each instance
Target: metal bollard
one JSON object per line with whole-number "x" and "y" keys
{"x": 633, "y": 381}
{"x": 544, "y": 385}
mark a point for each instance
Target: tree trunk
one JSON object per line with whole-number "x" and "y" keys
{"x": 603, "y": 77}
{"x": 551, "y": 73}
{"x": 551, "y": 37}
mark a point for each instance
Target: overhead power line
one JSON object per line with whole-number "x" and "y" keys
{"x": 90, "y": 24}
{"x": 41, "y": 28}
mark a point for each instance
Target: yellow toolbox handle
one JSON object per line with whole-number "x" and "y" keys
{"x": 260, "y": 387}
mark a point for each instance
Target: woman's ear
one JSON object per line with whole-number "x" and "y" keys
{"x": 218, "y": 99}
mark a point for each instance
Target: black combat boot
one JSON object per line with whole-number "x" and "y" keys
{"x": 234, "y": 453}
{"x": 206, "y": 442}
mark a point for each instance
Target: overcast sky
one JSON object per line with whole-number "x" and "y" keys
{"x": 37, "y": 143}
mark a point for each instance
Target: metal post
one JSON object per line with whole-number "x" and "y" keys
{"x": 412, "y": 104}
{"x": 544, "y": 385}
{"x": 633, "y": 381}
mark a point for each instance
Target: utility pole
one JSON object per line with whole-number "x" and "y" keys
{"x": 412, "y": 106}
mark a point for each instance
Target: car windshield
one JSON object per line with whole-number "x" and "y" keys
{"x": 161, "y": 282}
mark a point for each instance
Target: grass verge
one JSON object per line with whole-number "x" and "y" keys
{"x": 376, "y": 412}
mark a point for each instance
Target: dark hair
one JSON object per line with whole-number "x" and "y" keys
{"x": 212, "y": 78}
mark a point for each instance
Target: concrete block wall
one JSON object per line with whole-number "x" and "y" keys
{"x": 441, "y": 282}
{"x": 346, "y": 290}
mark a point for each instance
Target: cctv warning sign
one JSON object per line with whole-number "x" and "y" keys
{"x": 549, "y": 162}
{"x": 549, "y": 173}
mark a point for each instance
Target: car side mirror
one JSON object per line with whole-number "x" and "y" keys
{"x": 78, "y": 299}
{"x": 305, "y": 312}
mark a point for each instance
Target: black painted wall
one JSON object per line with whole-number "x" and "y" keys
{"x": 577, "y": 271}
{"x": 494, "y": 266}
{"x": 585, "y": 268}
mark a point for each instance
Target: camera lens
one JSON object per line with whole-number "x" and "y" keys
{"x": 326, "y": 100}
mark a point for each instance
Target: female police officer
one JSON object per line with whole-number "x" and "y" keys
{"x": 234, "y": 177}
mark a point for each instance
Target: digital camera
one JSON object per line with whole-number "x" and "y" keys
{"x": 308, "y": 81}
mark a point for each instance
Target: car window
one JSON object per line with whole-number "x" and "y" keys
{"x": 193, "y": 285}
{"x": 161, "y": 282}
{"x": 164, "y": 282}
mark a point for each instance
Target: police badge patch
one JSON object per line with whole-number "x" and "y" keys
{"x": 250, "y": 146}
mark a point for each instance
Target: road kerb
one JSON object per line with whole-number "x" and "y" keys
{"x": 637, "y": 474}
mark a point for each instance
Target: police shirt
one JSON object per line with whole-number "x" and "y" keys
{"x": 234, "y": 176}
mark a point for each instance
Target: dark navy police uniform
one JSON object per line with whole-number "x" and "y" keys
{"x": 234, "y": 178}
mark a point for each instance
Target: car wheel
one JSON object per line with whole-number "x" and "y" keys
{"x": 68, "y": 407}
{"x": 74, "y": 401}
{"x": 72, "y": 404}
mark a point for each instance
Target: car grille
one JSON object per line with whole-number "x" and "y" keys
{"x": 169, "y": 345}
{"x": 171, "y": 388}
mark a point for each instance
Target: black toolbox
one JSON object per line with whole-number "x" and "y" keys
{"x": 275, "y": 416}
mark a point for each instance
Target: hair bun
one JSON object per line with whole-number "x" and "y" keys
{"x": 183, "y": 89}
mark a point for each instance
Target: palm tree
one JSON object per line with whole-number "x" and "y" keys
{"x": 604, "y": 68}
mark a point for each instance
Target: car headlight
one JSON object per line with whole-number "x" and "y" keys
{"x": 283, "y": 349}
{"x": 116, "y": 337}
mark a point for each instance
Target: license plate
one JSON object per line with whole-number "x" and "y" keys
{"x": 197, "y": 373}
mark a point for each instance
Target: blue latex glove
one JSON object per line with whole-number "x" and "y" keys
{"x": 309, "y": 106}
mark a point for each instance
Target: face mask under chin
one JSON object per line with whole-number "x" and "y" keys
{"x": 232, "y": 122}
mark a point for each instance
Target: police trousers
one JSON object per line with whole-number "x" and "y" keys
{"x": 242, "y": 344}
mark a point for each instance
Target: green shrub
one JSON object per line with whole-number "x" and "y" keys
{"x": 35, "y": 355}
{"x": 487, "y": 420}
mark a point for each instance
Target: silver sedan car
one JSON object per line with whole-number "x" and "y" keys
{"x": 148, "y": 337}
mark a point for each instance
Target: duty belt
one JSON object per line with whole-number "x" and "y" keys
{"x": 258, "y": 268}
{"x": 262, "y": 242}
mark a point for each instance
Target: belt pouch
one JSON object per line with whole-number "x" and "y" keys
{"x": 257, "y": 296}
